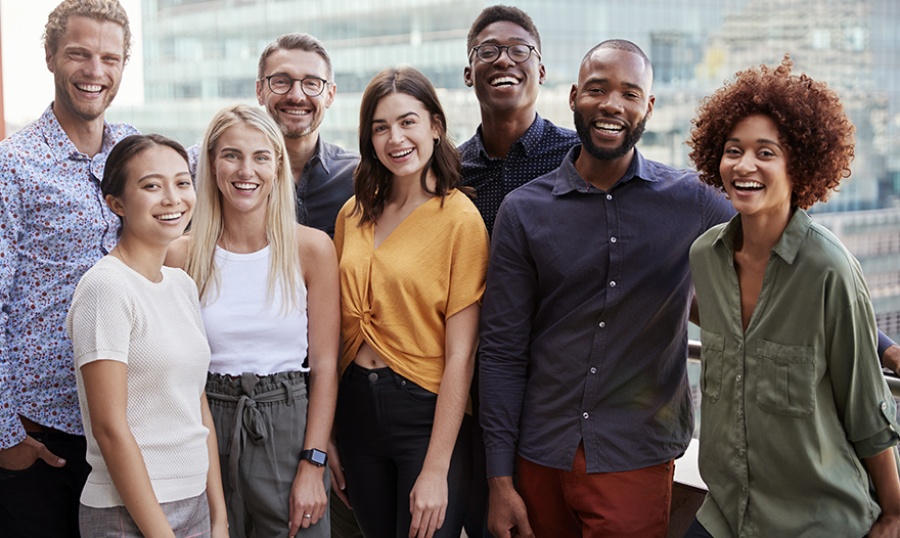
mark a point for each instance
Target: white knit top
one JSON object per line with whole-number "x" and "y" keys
{"x": 248, "y": 331}
{"x": 156, "y": 329}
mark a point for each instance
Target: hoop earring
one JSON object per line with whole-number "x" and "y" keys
{"x": 437, "y": 142}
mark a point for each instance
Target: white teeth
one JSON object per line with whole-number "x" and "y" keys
{"x": 608, "y": 126}
{"x": 170, "y": 216}
{"x": 92, "y": 88}
{"x": 401, "y": 154}
{"x": 748, "y": 184}
{"x": 297, "y": 112}
{"x": 504, "y": 81}
{"x": 245, "y": 186}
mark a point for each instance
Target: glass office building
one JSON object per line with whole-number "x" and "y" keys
{"x": 200, "y": 55}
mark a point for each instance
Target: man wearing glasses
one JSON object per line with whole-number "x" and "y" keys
{"x": 512, "y": 146}
{"x": 296, "y": 84}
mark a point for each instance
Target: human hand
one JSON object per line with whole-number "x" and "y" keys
{"x": 308, "y": 500}
{"x": 507, "y": 516}
{"x": 338, "y": 480}
{"x": 25, "y": 454}
{"x": 886, "y": 526}
{"x": 428, "y": 504}
{"x": 891, "y": 359}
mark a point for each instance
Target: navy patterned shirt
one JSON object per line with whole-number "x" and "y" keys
{"x": 54, "y": 225}
{"x": 540, "y": 150}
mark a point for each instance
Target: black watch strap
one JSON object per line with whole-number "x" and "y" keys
{"x": 314, "y": 456}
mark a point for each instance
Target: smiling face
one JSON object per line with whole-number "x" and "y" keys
{"x": 612, "y": 102}
{"x": 158, "y": 197}
{"x": 296, "y": 113}
{"x": 504, "y": 85}
{"x": 243, "y": 163}
{"x": 754, "y": 169}
{"x": 87, "y": 68}
{"x": 403, "y": 135}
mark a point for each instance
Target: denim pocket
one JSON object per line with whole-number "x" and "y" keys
{"x": 417, "y": 393}
{"x": 786, "y": 379}
{"x": 712, "y": 361}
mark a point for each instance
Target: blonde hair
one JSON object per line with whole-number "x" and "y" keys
{"x": 208, "y": 222}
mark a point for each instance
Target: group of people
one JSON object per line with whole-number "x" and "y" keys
{"x": 213, "y": 341}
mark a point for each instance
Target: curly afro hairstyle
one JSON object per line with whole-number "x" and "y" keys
{"x": 812, "y": 127}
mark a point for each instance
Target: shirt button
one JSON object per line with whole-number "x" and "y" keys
{"x": 612, "y": 239}
{"x": 883, "y": 406}
{"x": 602, "y": 324}
{"x": 737, "y": 378}
{"x": 612, "y": 283}
{"x": 609, "y": 196}
{"x": 741, "y": 452}
{"x": 593, "y": 370}
{"x": 744, "y": 489}
{"x": 585, "y": 415}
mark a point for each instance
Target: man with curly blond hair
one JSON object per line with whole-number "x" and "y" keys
{"x": 54, "y": 225}
{"x": 799, "y": 426}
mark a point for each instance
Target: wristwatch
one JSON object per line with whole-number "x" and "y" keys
{"x": 314, "y": 456}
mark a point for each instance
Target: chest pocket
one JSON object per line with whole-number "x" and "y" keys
{"x": 785, "y": 379}
{"x": 712, "y": 358}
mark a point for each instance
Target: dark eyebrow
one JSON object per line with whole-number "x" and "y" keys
{"x": 758, "y": 141}
{"x": 400, "y": 117}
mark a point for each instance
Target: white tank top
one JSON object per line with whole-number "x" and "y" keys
{"x": 247, "y": 332}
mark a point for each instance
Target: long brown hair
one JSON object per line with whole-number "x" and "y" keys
{"x": 372, "y": 180}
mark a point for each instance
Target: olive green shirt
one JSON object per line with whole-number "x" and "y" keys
{"x": 791, "y": 406}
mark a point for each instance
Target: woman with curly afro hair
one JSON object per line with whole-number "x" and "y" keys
{"x": 798, "y": 430}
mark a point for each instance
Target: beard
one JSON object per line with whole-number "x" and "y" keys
{"x": 631, "y": 139}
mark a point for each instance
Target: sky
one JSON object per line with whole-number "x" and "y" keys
{"x": 27, "y": 84}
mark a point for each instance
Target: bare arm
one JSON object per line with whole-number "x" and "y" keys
{"x": 429, "y": 497}
{"x": 218, "y": 518}
{"x": 105, "y": 384}
{"x": 320, "y": 269}
{"x": 883, "y": 470}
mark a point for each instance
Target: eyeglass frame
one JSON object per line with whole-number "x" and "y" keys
{"x": 268, "y": 79}
{"x": 532, "y": 49}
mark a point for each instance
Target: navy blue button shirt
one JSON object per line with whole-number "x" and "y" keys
{"x": 325, "y": 185}
{"x": 584, "y": 323}
{"x": 539, "y": 151}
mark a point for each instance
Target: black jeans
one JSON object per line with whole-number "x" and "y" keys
{"x": 42, "y": 501}
{"x": 384, "y": 425}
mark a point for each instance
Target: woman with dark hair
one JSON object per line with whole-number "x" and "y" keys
{"x": 798, "y": 430}
{"x": 140, "y": 361}
{"x": 413, "y": 256}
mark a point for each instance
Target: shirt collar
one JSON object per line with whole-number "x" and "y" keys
{"x": 787, "y": 246}
{"x": 319, "y": 155}
{"x": 61, "y": 146}
{"x": 530, "y": 141}
{"x": 570, "y": 180}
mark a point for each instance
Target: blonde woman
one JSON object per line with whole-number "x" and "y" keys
{"x": 270, "y": 301}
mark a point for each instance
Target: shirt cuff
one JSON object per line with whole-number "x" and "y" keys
{"x": 884, "y": 439}
{"x": 883, "y": 343}
{"x": 11, "y": 430}
{"x": 500, "y": 463}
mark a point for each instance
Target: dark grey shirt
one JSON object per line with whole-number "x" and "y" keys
{"x": 584, "y": 324}
{"x": 325, "y": 184}
{"x": 540, "y": 150}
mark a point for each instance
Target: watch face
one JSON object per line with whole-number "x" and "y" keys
{"x": 315, "y": 456}
{"x": 318, "y": 457}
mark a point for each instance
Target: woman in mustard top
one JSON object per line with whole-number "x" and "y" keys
{"x": 413, "y": 254}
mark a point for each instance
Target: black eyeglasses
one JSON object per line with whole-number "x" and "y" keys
{"x": 517, "y": 53}
{"x": 282, "y": 84}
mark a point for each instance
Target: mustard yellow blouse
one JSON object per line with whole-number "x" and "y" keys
{"x": 397, "y": 297}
